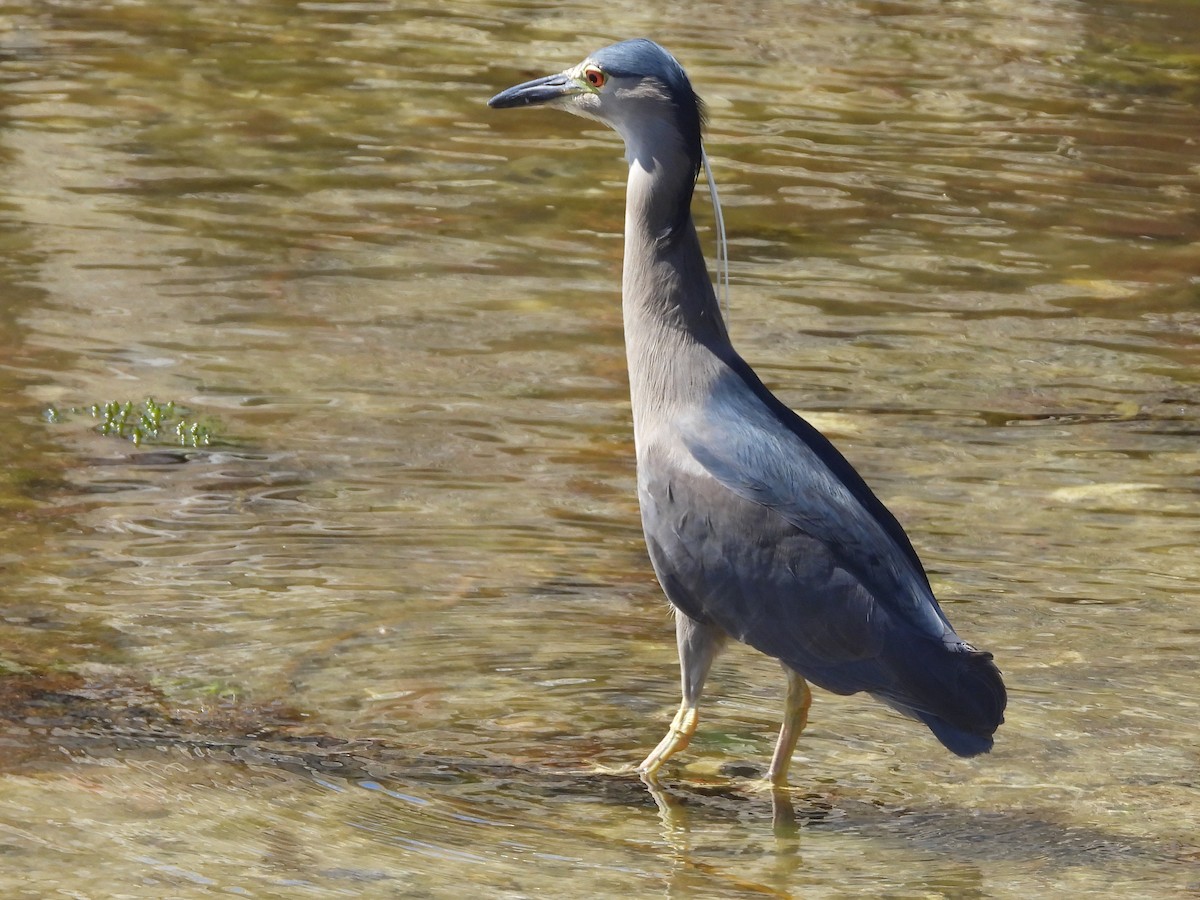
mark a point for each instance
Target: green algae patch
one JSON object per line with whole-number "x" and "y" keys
{"x": 148, "y": 423}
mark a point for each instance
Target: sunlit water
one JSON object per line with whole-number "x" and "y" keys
{"x": 381, "y": 637}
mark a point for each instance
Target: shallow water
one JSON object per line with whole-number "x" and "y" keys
{"x": 381, "y": 636}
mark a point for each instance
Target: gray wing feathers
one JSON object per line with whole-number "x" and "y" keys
{"x": 744, "y": 447}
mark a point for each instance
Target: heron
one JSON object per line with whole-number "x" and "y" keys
{"x": 757, "y": 527}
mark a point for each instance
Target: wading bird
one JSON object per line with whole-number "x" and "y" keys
{"x": 757, "y": 527}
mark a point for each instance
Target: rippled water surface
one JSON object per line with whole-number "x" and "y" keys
{"x": 384, "y": 633}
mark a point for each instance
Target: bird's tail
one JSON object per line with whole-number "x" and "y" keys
{"x": 957, "y": 691}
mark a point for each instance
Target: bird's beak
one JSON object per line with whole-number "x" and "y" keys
{"x": 538, "y": 92}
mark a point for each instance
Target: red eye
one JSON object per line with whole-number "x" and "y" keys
{"x": 595, "y": 77}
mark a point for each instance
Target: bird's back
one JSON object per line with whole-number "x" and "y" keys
{"x": 757, "y": 524}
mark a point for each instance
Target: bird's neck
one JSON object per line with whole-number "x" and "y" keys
{"x": 674, "y": 332}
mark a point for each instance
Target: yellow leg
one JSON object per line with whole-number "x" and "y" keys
{"x": 679, "y": 735}
{"x": 698, "y": 646}
{"x": 795, "y": 717}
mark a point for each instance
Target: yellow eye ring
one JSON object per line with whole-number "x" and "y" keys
{"x": 595, "y": 76}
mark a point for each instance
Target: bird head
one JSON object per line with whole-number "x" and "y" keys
{"x": 635, "y": 87}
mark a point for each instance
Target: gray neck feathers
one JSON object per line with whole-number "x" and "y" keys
{"x": 675, "y": 337}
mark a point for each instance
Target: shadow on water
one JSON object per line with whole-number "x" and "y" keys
{"x": 68, "y": 719}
